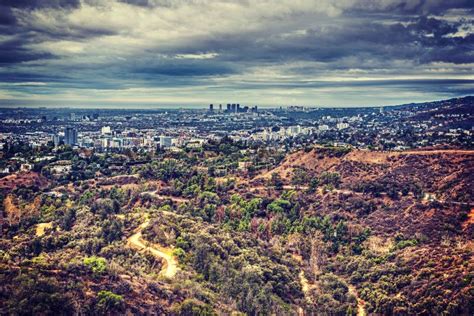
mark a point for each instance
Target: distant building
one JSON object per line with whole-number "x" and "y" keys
{"x": 70, "y": 136}
{"x": 165, "y": 141}
{"x": 116, "y": 143}
{"x": 106, "y": 130}
{"x": 294, "y": 130}
{"x": 323, "y": 128}
{"x": 211, "y": 107}
{"x": 26, "y": 167}
{"x": 105, "y": 142}
{"x": 342, "y": 125}
{"x": 220, "y": 107}
{"x": 60, "y": 167}
{"x": 56, "y": 139}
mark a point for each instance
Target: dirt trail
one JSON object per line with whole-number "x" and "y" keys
{"x": 170, "y": 263}
{"x": 165, "y": 197}
{"x": 360, "y": 302}
{"x": 305, "y": 286}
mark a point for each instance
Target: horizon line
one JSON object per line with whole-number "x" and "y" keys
{"x": 191, "y": 106}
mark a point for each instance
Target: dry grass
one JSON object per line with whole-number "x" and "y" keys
{"x": 379, "y": 245}
{"x": 41, "y": 228}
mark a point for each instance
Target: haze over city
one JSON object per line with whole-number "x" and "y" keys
{"x": 139, "y": 53}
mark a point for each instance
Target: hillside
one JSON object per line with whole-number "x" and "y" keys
{"x": 419, "y": 202}
{"x": 326, "y": 231}
{"x": 445, "y": 173}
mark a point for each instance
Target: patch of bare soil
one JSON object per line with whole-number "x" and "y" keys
{"x": 23, "y": 179}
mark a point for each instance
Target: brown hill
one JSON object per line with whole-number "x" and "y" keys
{"x": 448, "y": 174}
{"x": 23, "y": 179}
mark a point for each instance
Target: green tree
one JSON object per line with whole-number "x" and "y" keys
{"x": 97, "y": 265}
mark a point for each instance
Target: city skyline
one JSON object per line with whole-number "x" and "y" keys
{"x": 144, "y": 54}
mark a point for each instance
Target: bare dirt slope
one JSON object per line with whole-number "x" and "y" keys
{"x": 450, "y": 173}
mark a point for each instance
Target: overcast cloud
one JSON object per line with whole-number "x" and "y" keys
{"x": 176, "y": 52}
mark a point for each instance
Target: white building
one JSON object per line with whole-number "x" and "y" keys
{"x": 106, "y": 130}
{"x": 342, "y": 125}
{"x": 323, "y": 128}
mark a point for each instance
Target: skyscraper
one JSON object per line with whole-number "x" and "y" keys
{"x": 56, "y": 139}
{"x": 211, "y": 107}
{"x": 70, "y": 136}
{"x": 165, "y": 141}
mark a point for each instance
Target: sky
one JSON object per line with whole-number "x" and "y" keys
{"x": 146, "y": 53}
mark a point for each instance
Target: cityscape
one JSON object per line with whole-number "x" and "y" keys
{"x": 375, "y": 128}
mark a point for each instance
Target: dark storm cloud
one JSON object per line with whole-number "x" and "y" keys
{"x": 16, "y": 77}
{"x": 239, "y": 45}
{"x": 13, "y": 52}
{"x": 141, "y": 3}
{"x": 419, "y": 7}
{"x": 6, "y": 16}
{"x": 41, "y": 4}
{"x": 186, "y": 68}
{"x": 424, "y": 40}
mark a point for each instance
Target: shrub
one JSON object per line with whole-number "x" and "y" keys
{"x": 97, "y": 265}
{"x": 109, "y": 300}
{"x": 180, "y": 254}
{"x": 192, "y": 307}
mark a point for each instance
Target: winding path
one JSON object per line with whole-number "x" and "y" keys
{"x": 165, "y": 197}
{"x": 360, "y": 303}
{"x": 136, "y": 241}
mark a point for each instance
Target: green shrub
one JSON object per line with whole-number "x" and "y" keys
{"x": 405, "y": 243}
{"x": 109, "y": 300}
{"x": 180, "y": 254}
{"x": 97, "y": 265}
{"x": 192, "y": 307}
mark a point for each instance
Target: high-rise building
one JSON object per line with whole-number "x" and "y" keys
{"x": 106, "y": 130}
{"x": 211, "y": 107}
{"x": 233, "y": 107}
{"x": 56, "y": 139}
{"x": 220, "y": 107}
{"x": 165, "y": 141}
{"x": 70, "y": 136}
{"x": 228, "y": 107}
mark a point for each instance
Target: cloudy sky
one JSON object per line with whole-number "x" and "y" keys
{"x": 265, "y": 52}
